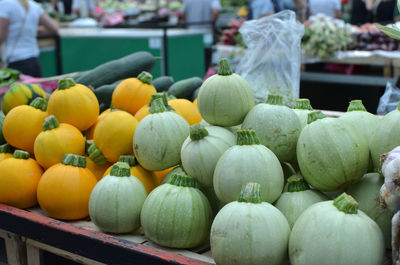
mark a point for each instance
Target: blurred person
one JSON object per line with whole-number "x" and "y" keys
{"x": 20, "y": 22}
{"x": 361, "y": 12}
{"x": 83, "y": 8}
{"x": 200, "y": 13}
{"x": 384, "y": 10}
{"x": 330, "y": 8}
{"x": 261, "y": 8}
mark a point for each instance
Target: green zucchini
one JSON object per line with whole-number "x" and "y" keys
{"x": 195, "y": 93}
{"x": 104, "y": 93}
{"x": 125, "y": 67}
{"x": 185, "y": 88}
{"x": 162, "y": 83}
{"x": 2, "y": 116}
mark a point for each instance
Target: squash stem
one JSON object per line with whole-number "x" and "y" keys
{"x": 157, "y": 106}
{"x": 345, "y": 203}
{"x": 315, "y": 115}
{"x": 247, "y": 137}
{"x": 303, "y": 103}
{"x": 182, "y": 181}
{"x": 88, "y": 143}
{"x": 161, "y": 95}
{"x": 356, "y": 105}
{"x": 275, "y": 100}
{"x": 224, "y": 67}
{"x": 129, "y": 159}
{"x": 198, "y": 132}
{"x": 96, "y": 155}
{"x": 65, "y": 83}
{"x": 6, "y": 148}
{"x": 20, "y": 154}
{"x": 145, "y": 77}
{"x": 74, "y": 160}
{"x": 50, "y": 123}
{"x": 297, "y": 183}
{"x": 39, "y": 103}
{"x": 120, "y": 169}
{"x": 250, "y": 193}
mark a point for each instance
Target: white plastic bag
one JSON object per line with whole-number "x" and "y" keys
{"x": 272, "y": 61}
{"x": 389, "y": 100}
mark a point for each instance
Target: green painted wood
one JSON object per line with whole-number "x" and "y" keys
{"x": 48, "y": 60}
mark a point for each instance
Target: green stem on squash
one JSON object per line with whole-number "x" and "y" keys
{"x": 96, "y": 155}
{"x": 250, "y": 193}
{"x": 131, "y": 160}
{"x": 145, "y": 77}
{"x": 297, "y": 183}
{"x": 21, "y": 154}
{"x": 275, "y": 100}
{"x": 315, "y": 115}
{"x": 303, "y": 103}
{"x": 182, "y": 181}
{"x": 74, "y": 160}
{"x": 65, "y": 83}
{"x": 198, "y": 132}
{"x": 247, "y": 137}
{"x": 224, "y": 67}
{"x": 88, "y": 143}
{"x": 39, "y": 103}
{"x": 120, "y": 169}
{"x": 6, "y": 148}
{"x": 356, "y": 105}
{"x": 157, "y": 106}
{"x": 50, "y": 123}
{"x": 161, "y": 95}
{"x": 345, "y": 203}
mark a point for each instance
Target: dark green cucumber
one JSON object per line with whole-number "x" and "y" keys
{"x": 104, "y": 93}
{"x": 185, "y": 88}
{"x": 2, "y": 116}
{"x": 125, "y": 67}
{"x": 162, "y": 83}
{"x": 195, "y": 93}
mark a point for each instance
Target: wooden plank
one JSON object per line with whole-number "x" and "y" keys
{"x": 34, "y": 255}
{"x": 15, "y": 248}
{"x": 37, "y": 246}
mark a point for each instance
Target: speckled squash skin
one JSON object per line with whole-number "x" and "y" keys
{"x": 21, "y": 94}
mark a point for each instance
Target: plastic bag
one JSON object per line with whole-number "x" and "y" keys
{"x": 389, "y": 100}
{"x": 272, "y": 61}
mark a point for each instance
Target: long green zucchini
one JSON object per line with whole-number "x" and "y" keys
{"x": 185, "y": 88}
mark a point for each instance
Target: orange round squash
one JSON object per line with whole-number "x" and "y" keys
{"x": 187, "y": 110}
{"x": 64, "y": 189}
{"x": 56, "y": 140}
{"x": 114, "y": 135}
{"x": 23, "y": 123}
{"x": 133, "y": 93}
{"x": 74, "y": 104}
{"x": 148, "y": 178}
{"x": 19, "y": 178}
{"x": 6, "y": 151}
{"x": 89, "y": 133}
{"x": 162, "y": 173}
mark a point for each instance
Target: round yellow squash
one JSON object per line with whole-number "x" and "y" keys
{"x": 97, "y": 170}
{"x": 114, "y": 135}
{"x": 23, "y": 123}
{"x": 133, "y": 93}
{"x": 19, "y": 178}
{"x": 187, "y": 110}
{"x": 162, "y": 173}
{"x": 5, "y": 151}
{"x": 64, "y": 189}
{"x": 89, "y": 133}
{"x": 56, "y": 140}
{"x": 149, "y": 179}
{"x": 74, "y": 104}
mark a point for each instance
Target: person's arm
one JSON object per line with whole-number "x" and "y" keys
{"x": 338, "y": 9}
{"x": 4, "y": 22}
{"x": 216, "y": 6}
{"x": 49, "y": 25}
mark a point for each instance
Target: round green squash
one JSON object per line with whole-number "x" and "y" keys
{"x": 21, "y": 94}
{"x": 225, "y": 98}
{"x": 302, "y": 107}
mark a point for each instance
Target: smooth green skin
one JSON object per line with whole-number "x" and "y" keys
{"x": 385, "y": 138}
{"x": 177, "y": 217}
{"x": 325, "y": 235}
{"x": 225, "y": 100}
{"x": 185, "y": 88}
{"x": 366, "y": 193}
{"x": 177, "y": 170}
{"x": 278, "y": 128}
{"x": 158, "y": 140}
{"x": 199, "y": 158}
{"x": 162, "y": 83}
{"x": 331, "y": 154}
{"x": 293, "y": 204}
{"x": 363, "y": 121}
{"x": 303, "y": 116}
{"x": 248, "y": 163}
{"x": 249, "y": 234}
{"x": 116, "y": 202}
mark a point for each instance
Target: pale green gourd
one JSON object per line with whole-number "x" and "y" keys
{"x": 248, "y": 161}
{"x": 277, "y": 126}
{"x": 116, "y": 201}
{"x": 177, "y": 214}
{"x": 225, "y": 98}
{"x": 302, "y": 107}
{"x": 249, "y": 231}
{"x": 336, "y": 233}
{"x": 159, "y": 137}
{"x": 202, "y": 149}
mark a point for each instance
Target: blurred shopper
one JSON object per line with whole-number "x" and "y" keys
{"x": 330, "y": 8}
{"x": 361, "y": 12}
{"x": 383, "y": 10}
{"x": 83, "y": 8}
{"x": 19, "y": 24}
{"x": 200, "y": 13}
{"x": 261, "y": 8}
